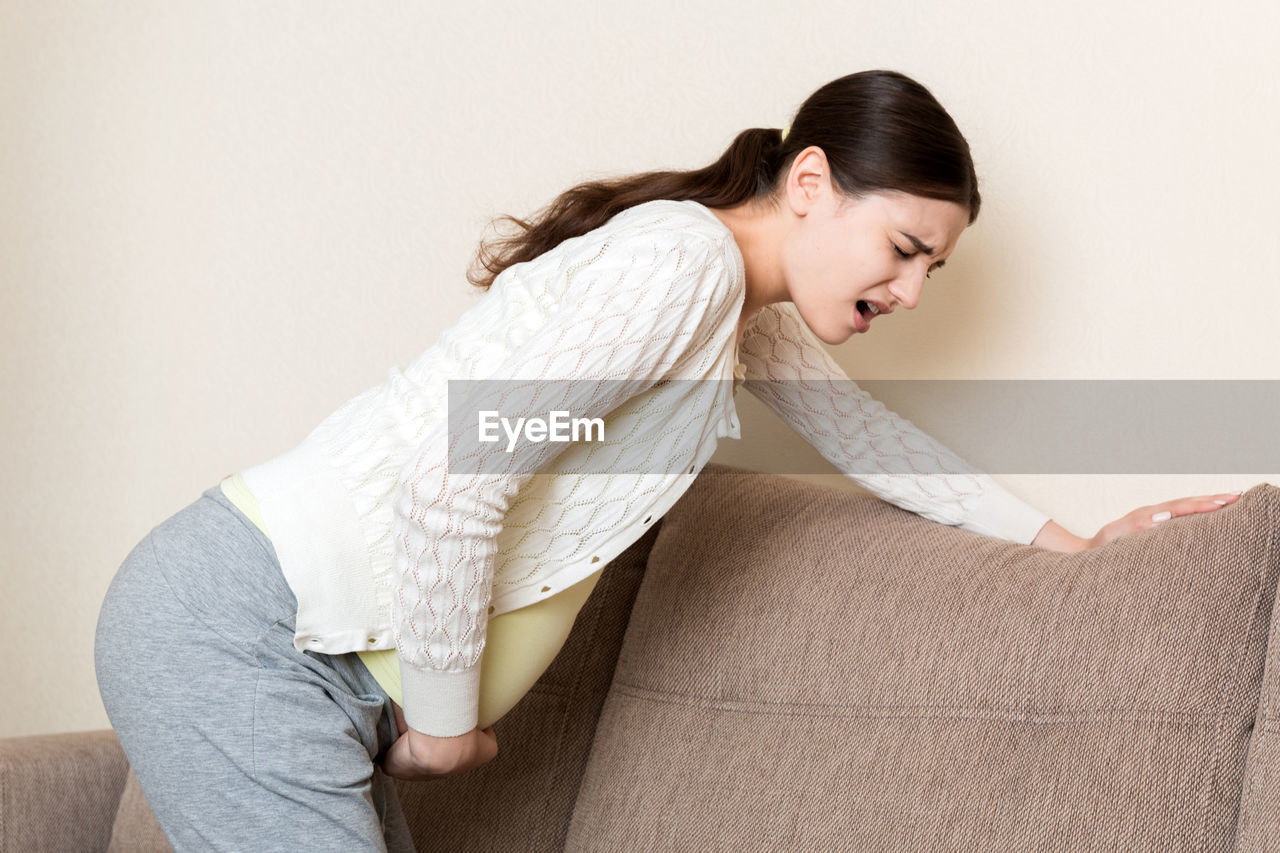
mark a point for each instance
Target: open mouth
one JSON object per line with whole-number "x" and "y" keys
{"x": 866, "y": 310}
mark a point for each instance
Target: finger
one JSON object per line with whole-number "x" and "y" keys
{"x": 491, "y": 747}
{"x": 1190, "y": 506}
{"x": 396, "y": 763}
{"x": 490, "y": 742}
{"x": 1208, "y": 503}
{"x": 1220, "y": 499}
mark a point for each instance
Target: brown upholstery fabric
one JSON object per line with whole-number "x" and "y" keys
{"x": 136, "y": 829}
{"x": 1258, "y": 829}
{"x": 807, "y": 668}
{"x": 523, "y": 798}
{"x": 59, "y": 792}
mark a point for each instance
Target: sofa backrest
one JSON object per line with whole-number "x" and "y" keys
{"x": 806, "y": 668}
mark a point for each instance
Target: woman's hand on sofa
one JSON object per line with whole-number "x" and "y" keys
{"x": 417, "y": 757}
{"x": 1147, "y": 517}
{"x": 1054, "y": 537}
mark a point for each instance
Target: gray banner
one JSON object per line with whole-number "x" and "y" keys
{"x": 1211, "y": 426}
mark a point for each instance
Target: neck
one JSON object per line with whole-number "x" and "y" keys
{"x": 758, "y": 232}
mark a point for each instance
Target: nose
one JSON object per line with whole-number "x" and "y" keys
{"x": 906, "y": 289}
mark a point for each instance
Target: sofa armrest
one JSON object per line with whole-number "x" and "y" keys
{"x": 60, "y": 791}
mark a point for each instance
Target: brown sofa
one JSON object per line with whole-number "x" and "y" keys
{"x": 783, "y": 666}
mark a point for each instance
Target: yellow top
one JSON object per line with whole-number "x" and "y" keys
{"x": 519, "y": 644}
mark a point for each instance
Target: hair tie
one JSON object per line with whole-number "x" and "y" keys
{"x": 784, "y": 133}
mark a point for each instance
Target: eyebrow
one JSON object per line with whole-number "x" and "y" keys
{"x": 915, "y": 241}
{"x": 919, "y": 244}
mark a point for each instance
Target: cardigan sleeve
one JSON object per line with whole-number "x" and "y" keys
{"x": 889, "y": 456}
{"x": 632, "y": 308}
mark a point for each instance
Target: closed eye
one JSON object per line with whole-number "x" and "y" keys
{"x": 936, "y": 266}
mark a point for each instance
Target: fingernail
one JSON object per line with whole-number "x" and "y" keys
{"x": 1221, "y": 503}
{"x": 1162, "y": 516}
{"x": 1241, "y": 492}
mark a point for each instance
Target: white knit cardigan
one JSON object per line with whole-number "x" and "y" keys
{"x": 388, "y": 541}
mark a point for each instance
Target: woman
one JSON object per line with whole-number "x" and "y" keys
{"x": 368, "y": 603}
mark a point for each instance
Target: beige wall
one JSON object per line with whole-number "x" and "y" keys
{"x": 222, "y": 220}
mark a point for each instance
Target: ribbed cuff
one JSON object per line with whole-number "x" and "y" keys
{"x": 1002, "y": 514}
{"x": 440, "y": 703}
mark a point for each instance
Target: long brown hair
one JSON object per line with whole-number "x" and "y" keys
{"x": 880, "y": 131}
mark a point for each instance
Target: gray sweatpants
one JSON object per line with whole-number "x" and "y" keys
{"x": 239, "y": 741}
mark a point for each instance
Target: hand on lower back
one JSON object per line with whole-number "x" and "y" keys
{"x": 416, "y": 756}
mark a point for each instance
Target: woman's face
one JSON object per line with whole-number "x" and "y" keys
{"x": 840, "y": 253}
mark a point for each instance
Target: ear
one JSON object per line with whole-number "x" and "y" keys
{"x": 808, "y": 180}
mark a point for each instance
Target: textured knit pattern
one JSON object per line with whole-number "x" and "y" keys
{"x": 388, "y": 547}
{"x": 653, "y": 295}
{"x": 789, "y": 371}
{"x": 622, "y": 317}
